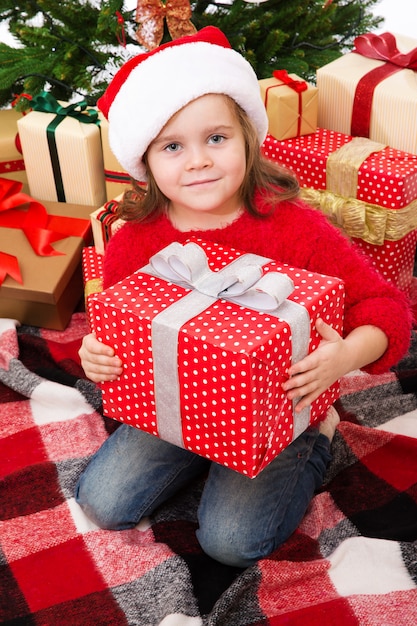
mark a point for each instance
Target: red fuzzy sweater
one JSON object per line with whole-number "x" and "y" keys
{"x": 294, "y": 234}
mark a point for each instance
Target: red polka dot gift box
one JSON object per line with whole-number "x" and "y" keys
{"x": 92, "y": 266}
{"x": 207, "y": 335}
{"x": 366, "y": 188}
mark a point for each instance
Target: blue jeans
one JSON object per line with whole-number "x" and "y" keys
{"x": 240, "y": 519}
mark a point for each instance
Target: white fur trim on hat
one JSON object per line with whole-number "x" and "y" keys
{"x": 161, "y": 84}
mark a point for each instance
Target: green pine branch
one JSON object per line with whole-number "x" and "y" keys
{"x": 71, "y": 47}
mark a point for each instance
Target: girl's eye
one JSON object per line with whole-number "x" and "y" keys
{"x": 216, "y": 138}
{"x": 172, "y": 147}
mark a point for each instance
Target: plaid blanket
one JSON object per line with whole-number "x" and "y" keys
{"x": 352, "y": 561}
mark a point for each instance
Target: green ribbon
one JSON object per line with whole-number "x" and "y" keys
{"x": 46, "y": 103}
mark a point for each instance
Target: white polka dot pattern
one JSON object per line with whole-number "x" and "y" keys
{"x": 92, "y": 266}
{"x": 394, "y": 260}
{"x": 387, "y": 178}
{"x": 231, "y": 363}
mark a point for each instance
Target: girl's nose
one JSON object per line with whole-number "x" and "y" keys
{"x": 198, "y": 158}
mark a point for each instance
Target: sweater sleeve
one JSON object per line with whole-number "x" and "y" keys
{"x": 369, "y": 299}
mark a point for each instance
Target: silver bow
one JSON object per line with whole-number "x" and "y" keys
{"x": 241, "y": 281}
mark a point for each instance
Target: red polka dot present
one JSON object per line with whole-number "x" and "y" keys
{"x": 367, "y": 189}
{"x": 92, "y": 266}
{"x": 207, "y": 334}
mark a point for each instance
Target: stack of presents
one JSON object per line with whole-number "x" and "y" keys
{"x": 351, "y": 139}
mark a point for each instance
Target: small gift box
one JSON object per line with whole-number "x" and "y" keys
{"x": 41, "y": 283}
{"x": 372, "y": 91}
{"x": 92, "y": 266}
{"x": 12, "y": 165}
{"x": 291, "y": 104}
{"x": 117, "y": 180}
{"x": 366, "y": 188}
{"x": 105, "y": 223}
{"x": 207, "y": 335}
{"x": 62, "y": 150}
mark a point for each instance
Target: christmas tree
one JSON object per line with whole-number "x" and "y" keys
{"x": 73, "y": 48}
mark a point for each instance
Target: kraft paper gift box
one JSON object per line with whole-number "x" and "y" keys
{"x": 63, "y": 155}
{"x": 204, "y": 372}
{"x": 117, "y": 180}
{"x": 366, "y": 188}
{"x": 291, "y": 104}
{"x": 12, "y": 165}
{"x": 52, "y": 286}
{"x": 105, "y": 223}
{"x": 92, "y": 266}
{"x": 372, "y": 91}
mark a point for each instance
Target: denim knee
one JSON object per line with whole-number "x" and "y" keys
{"x": 230, "y": 547}
{"x": 102, "y": 511}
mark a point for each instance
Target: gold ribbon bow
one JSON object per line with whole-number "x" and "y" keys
{"x": 150, "y": 15}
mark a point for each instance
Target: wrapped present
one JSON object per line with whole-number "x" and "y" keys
{"x": 394, "y": 259}
{"x": 41, "y": 283}
{"x": 12, "y": 164}
{"x": 223, "y": 327}
{"x": 350, "y": 166}
{"x": 362, "y": 92}
{"x": 291, "y": 104}
{"x": 92, "y": 266}
{"x": 367, "y": 189}
{"x": 117, "y": 180}
{"x": 105, "y": 223}
{"x": 62, "y": 150}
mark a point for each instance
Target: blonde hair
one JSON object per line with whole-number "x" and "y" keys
{"x": 274, "y": 181}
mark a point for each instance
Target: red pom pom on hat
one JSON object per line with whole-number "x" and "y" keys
{"x": 151, "y": 87}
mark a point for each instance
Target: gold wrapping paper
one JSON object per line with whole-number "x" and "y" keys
{"x": 80, "y": 159}
{"x": 342, "y": 166}
{"x": 94, "y": 285}
{"x": 283, "y": 108}
{"x": 372, "y": 223}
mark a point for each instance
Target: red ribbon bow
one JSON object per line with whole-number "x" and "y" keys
{"x": 150, "y": 15}
{"x": 18, "y": 210}
{"x": 382, "y": 48}
{"x": 297, "y": 85}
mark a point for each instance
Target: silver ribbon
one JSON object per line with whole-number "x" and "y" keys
{"x": 242, "y": 281}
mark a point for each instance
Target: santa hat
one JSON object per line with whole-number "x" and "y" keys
{"x": 151, "y": 87}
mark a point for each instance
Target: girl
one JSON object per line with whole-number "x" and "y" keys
{"x": 188, "y": 118}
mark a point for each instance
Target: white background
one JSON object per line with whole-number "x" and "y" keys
{"x": 400, "y": 18}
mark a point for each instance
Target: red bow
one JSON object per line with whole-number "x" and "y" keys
{"x": 297, "y": 85}
{"x": 150, "y": 15}
{"x": 18, "y": 210}
{"x": 382, "y": 48}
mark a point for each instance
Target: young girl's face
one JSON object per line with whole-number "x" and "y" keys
{"x": 198, "y": 162}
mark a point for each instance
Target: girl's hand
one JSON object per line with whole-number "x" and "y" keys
{"x": 333, "y": 358}
{"x": 98, "y": 360}
{"x": 319, "y": 370}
